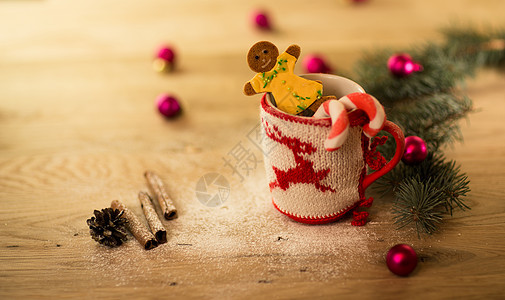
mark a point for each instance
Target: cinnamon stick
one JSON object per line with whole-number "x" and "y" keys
{"x": 154, "y": 222}
{"x": 159, "y": 190}
{"x": 135, "y": 226}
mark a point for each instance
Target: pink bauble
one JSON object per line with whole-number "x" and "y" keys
{"x": 166, "y": 53}
{"x": 402, "y": 65}
{"x": 415, "y": 150}
{"x": 168, "y": 105}
{"x": 261, "y": 20}
{"x": 315, "y": 64}
{"x": 401, "y": 260}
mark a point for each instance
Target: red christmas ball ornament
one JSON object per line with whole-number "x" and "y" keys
{"x": 168, "y": 105}
{"x": 165, "y": 59}
{"x": 402, "y": 65}
{"x": 261, "y": 20}
{"x": 401, "y": 260}
{"x": 316, "y": 64}
{"x": 415, "y": 150}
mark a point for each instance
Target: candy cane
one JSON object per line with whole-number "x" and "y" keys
{"x": 371, "y": 107}
{"x": 339, "y": 123}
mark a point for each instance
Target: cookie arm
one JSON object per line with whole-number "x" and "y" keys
{"x": 294, "y": 50}
{"x": 248, "y": 89}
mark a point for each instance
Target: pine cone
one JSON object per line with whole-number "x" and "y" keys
{"x": 107, "y": 227}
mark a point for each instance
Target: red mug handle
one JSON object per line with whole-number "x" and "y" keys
{"x": 397, "y": 134}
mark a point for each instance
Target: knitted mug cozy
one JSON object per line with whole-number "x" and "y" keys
{"x": 310, "y": 184}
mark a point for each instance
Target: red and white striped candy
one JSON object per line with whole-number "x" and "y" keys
{"x": 339, "y": 123}
{"x": 371, "y": 107}
{"x": 337, "y": 111}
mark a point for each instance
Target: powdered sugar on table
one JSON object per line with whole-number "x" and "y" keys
{"x": 243, "y": 239}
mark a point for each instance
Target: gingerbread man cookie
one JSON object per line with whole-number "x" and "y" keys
{"x": 292, "y": 94}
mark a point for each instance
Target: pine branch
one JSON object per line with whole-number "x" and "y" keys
{"x": 431, "y": 96}
{"x": 429, "y": 104}
{"x": 445, "y": 65}
{"x": 430, "y": 167}
{"x": 425, "y": 104}
{"x": 478, "y": 49}
{"x": 435, "y": 181}
{"x": 433, "y": 117}
{"x": 441, "y": 73}
{"x": 417, "y": 202}
{"x": 454, "y": 185}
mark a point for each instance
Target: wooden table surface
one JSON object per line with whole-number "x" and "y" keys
{"x": 79, "y": 128}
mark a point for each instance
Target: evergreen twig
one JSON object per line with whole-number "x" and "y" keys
{"x": 418, "y": 202}
{"x": 435, "y": 177}
{"x": 429, "y": 104}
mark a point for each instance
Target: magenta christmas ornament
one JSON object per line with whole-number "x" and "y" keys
{"x": 316, "y": 64}
{"x": 261, "y": 20}
{"x": 168, "y": 105}
{"x": 402, "y": 65}
{"x": 415, "y": 150}
{"x": 401, "y": 260}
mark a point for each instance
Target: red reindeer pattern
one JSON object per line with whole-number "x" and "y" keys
{"x": 303, "y": 172}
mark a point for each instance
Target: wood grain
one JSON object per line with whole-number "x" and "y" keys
{"x": 79, "y": 129}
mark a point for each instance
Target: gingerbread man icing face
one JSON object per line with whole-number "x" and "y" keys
{"x": 262, "y": 57}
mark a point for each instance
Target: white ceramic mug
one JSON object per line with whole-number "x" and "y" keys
{"x": 308, "y": 183}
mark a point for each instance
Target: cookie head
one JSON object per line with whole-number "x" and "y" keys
{"x": 262, "y": 56}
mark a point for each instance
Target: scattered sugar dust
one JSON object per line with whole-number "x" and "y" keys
{"x": 244, "y": 239}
